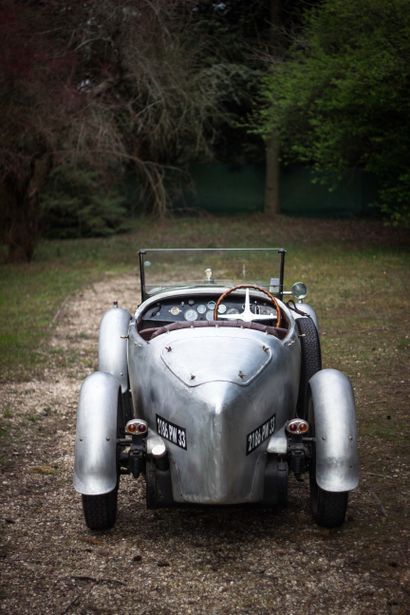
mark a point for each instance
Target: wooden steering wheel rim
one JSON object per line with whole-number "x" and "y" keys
{"x": 273, "y": 299}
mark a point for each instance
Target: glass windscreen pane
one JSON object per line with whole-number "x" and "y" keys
{"x": 175, "y": 268}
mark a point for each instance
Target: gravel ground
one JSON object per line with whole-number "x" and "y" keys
{"x": 242, "y": 560}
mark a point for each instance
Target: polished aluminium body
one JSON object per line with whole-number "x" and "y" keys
{"x": 337, "y": 460}
{"x": 112, "y": 355}
{"x": 217, "y": 400}
{"x": 94, "y": 468}
{"x": 219, "y": 384}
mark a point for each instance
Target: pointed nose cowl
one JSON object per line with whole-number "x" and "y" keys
{"x": 227, "y": 385}
{"x": 219, "y": 470}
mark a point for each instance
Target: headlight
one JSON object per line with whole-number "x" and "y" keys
{"x": 299, "y": 290}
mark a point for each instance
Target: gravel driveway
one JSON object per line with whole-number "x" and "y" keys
{"x": 242, "y": 560}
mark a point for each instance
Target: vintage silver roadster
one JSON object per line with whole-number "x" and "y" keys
{"x": 214, "y": 391}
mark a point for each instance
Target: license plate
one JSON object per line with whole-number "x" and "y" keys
{"x": 260, "y": 434}
{"x": 171, "y": 432}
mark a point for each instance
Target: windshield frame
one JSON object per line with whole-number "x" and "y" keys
{"x": 144, "y": 251}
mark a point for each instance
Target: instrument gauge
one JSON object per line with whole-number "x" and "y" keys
{"x": 266, "y": 311}
{"x": 191, "y": 314}
{"x": 222, "y": 309}
{"x": 211, "y": 305}
{"x": 233, "y": 311}
{"x": 175, "y": 310}
{"x": 201, "y": 309}
{"x": 210, "y": 315}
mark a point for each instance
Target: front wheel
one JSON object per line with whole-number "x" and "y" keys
{"x": 328, "y": 507}
{"x": 310, "y": 361}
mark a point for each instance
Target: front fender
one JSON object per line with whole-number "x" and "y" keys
{"x": 95, "y": 465}
{"x": 337, "y": 462}
{"x": 112, "y": 345}
{"x": 308, "y": 310}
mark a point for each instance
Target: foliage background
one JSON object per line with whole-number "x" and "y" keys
{"x": 96, "y": 91}
{"x": 341, "y": 98}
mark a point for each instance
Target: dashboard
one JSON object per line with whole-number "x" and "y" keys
{"x": 190, "y": 309}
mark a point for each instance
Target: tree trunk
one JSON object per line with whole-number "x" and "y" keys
{"x": 21, "y": 217}
{"x": 272, "y": 203}
{"x": 22, "y": 230}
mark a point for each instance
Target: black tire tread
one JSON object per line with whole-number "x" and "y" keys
{"x": 150, "y": 485}
{"x": 100, "y": 511}
{"x": 311, "y": 360}
{"x": 329, "y": 508}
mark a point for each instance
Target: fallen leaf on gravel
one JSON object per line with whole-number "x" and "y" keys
{"x": 43, "y": 470}
{"x": 91, "y": 540}
{"x": 405, "y": 578}
{"x": 162, "y": 563}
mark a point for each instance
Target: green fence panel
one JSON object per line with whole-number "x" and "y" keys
{"x": 226, "y": 189}
{"x": 222, "y": 188}
{"x": 231, "y": 189}
{"x": 303, "y": 194}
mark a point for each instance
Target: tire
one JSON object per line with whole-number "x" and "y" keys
{"x": 158, "y": 486}
{"x": 123, "y": 413}
{"x": 151, "y": 485}
{"x": 126, "y": 409}
{"x": 328, "y": 507}
{"x": 100, "y": 511}
{"x": 276, "y": 483}
{"x": 311, "y": 361}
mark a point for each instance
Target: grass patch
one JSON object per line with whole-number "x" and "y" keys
{"x": 30, "y": 295}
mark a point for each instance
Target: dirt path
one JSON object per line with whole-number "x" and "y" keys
{"x": 176, "y": 561}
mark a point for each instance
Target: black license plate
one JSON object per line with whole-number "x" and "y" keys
{"x": 260, "y": 434}
{"x": 171, "y": 432}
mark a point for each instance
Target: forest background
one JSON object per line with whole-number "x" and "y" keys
{"x": 96, "y": 92}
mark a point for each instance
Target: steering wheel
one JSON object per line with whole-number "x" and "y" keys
{"x": 247, "y": 315}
